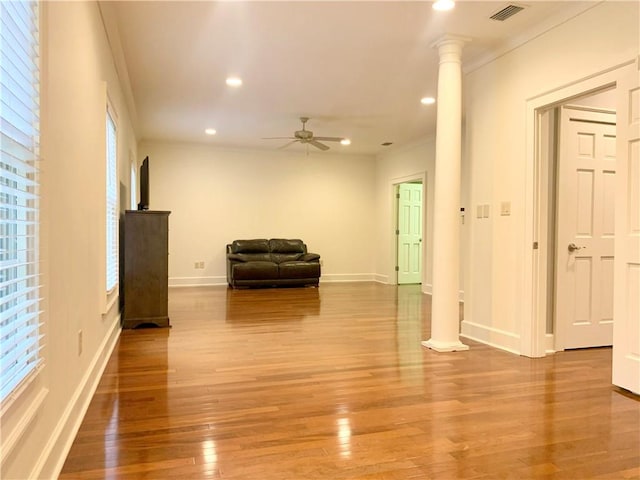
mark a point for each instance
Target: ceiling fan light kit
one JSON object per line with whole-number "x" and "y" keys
{"x": 306, "y": 136}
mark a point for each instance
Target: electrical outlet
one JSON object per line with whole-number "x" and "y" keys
{"x": 79, "y": 342}
{"x": 201, "y": 264}
{"x": 195, "y": 265}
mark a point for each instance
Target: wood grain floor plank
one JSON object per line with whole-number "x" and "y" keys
{"x": 332, "y": 383}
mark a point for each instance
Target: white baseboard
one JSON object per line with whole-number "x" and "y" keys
{"x": 347, "y": 277}
{"x": 197, "y": 281}
{"x": 427, "y": 288}
{"x": 218, "y": 281}
{"x": 381, "y": 278}
{"x": 491, "y": 336}
{"x": 549, "y": 343}
{"x": 53, "y": 456}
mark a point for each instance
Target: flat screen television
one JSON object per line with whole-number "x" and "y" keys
{"x": 144, "y": 185}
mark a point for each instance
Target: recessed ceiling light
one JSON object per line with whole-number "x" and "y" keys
{"x": 210, "y": 131}
{"x": 234, "y": 81}
{"x": 443, "y": 5}
{"x": 345, "y": 141}
{"x": 427, "y": 101}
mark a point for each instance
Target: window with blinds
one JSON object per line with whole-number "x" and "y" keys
{"x": 20, "y": 329}
{"x": 112, "y": 205}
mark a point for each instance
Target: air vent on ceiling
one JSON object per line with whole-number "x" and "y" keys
{"x": 506, "y": 12}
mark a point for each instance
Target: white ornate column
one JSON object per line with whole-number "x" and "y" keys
{"x": 445, "y": 321}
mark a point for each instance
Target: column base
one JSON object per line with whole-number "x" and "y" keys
{"x": 445, "y": 346}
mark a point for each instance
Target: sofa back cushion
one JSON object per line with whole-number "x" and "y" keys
{"x": 258, "y": 245}
{"x": 283, "y": 245}
{"x": 285, "y": 250}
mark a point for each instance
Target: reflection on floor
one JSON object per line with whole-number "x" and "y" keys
{"x": 332, "y": 383}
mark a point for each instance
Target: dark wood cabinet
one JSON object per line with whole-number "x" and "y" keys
{"x": 146, "y": 268}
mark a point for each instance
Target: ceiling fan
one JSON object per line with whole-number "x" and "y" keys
{"x": 306, "y": 136}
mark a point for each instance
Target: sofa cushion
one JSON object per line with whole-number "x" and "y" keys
{"x": 259, "y": 245}
{"x": 249, "y": 257}
{"x": 299, "y": 270}
{"x": 258, "y": 270}
{"x": 285, "y": 257}
{"x": 283, "y": 245}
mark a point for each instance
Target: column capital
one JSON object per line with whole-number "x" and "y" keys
{"x": 450, "y": 39}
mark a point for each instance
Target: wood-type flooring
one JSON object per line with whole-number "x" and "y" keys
{"x": 332, "y": 383}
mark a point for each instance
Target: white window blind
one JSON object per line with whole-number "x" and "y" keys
{"x": 112, "y": 205}
{"x": 20, "y": 329}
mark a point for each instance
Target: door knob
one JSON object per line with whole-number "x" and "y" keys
{"x": 572, "y": 247}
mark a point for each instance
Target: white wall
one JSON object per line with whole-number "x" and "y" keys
{"x": 495, "y": 145}
{"x": 217, "y": 196}
{"x": 77, "y": 71}
{"x": 398, "y": 165}
{"x": 401, "y": 164}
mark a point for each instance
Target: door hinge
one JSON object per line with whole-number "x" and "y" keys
{"x": 397, "y": 268}
{"x": 535, "y": 245}
{"x": 397, "y": 232}
{"x": 397, "y": 195}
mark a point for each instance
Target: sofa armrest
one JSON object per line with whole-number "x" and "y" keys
{"x": 234, "y": 257}
{"x": 309, "y": 257}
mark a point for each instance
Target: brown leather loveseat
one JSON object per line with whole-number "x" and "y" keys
{"x": 270, "y": 263}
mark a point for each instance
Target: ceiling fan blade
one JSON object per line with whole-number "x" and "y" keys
{"x": 287, "y": 144}
{"x": 328, "y": 139}
{"x": 317, "y": 144}
{"x": 278, "y": 138}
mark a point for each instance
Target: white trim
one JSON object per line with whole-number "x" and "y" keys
{"x": 381, "y": 279}
{"x": 549, "y": 343}
{"x": 9, "y": 442}
{"x": 54, "y": 454}
{"x": 197, "y": 281}
{"x": 111, "y": 299}
{"x": 176, "y": 282}
{"x": 347, "y": 277}
{"x": 444, "y": 346}
{"x": 493, "y": 337}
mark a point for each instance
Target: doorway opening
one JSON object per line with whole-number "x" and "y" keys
{"x": 577, "y": 140}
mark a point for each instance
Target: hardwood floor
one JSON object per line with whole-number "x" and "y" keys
{"x": 332, "y": 383}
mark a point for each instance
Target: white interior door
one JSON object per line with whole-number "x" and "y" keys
{"x": 409, "y": 233}
{"x": 585, "y": 228}
{"x": 626, "y": 343}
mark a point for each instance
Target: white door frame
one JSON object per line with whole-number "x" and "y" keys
{"x": 533, "y": 336}
{"x": 416, "y": 177}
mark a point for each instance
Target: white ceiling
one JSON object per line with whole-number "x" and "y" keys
{"x": 357, "y": 68}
